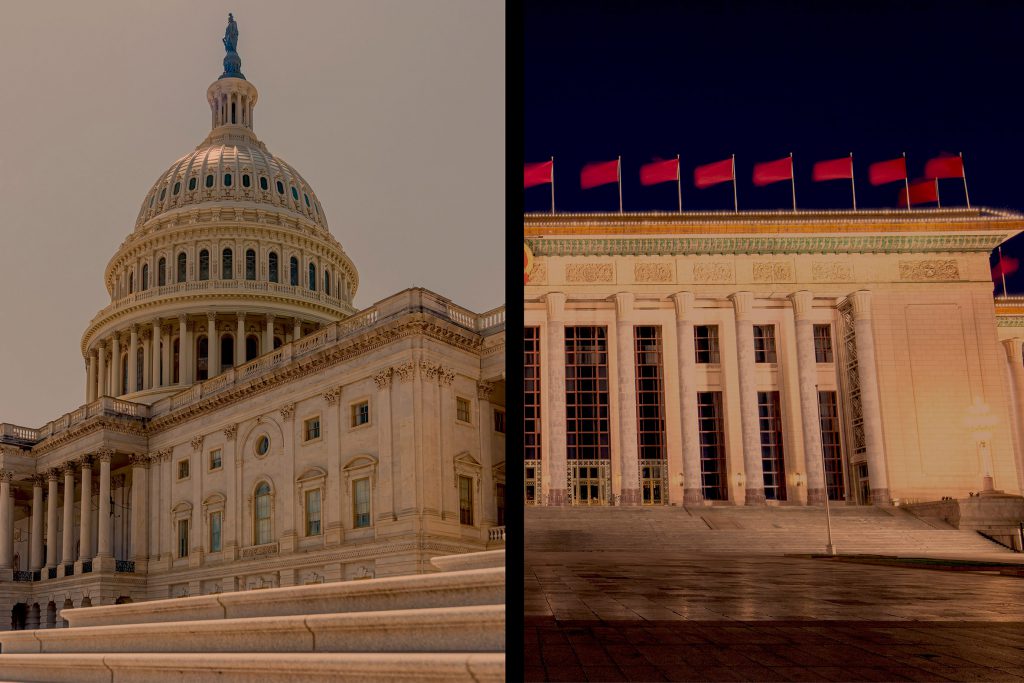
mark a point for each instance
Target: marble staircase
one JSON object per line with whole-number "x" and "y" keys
{"x": 447, "y": 626}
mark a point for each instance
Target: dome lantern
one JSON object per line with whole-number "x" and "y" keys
{"x": 231, "y": 97}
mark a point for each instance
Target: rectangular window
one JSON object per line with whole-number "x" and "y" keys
{"x": 311, "y": 429}
{"x": 462, "y": 409}
{"x": 772, "y": 457}
{"x": 361, "y": 503}
{"x": 182, "y": 538}
{"x": 360, "y": 413}
{"x": 705, "y": 342}
{"x": 216, "y": 460}
{"x": 215, "y": 524}
{"x": 587, "y": 436}
{"x": 713, "y": 481}
{"x": 499, "y": 501}
{"x": 499, "y": 421}
{"x": 823, "y": 343}
{"x": 466, "y": 500}
{"x": 831, "y": 447}
{"x": 764, "y": 344}
{"x": 531, "y": 483}
{"x": 183, "y": 469}
{"x": 531, "y": 396}
{"x": 650, "y": 393}
{"x": 313, "y": 512}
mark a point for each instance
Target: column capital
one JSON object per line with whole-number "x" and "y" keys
{"x": 85, "y": 461}
{"x": 6, "y": 476}
{"x": 1012, "y": 347}
{"x": 861, "y": 301}
{"x": 624, "y": 306}
{"x": 556, "y": 305}
{"x": 803, "y": 302}
{"x": 230, "y": 432}
{"x": 69, "y": 468}
{"x": 484, "y": 390}
{"x": 743, "y": 303}
{"x": 331, "y": 396}
{"x": 101, "y": 345}
{"x": 197, "y": 442}
{"x": 287, "y": 411}
{"x": 93, "y": 353}
{"x": 270, "y": 317}
{"x": 139, "y": 460}
{"x": 383, "y": 378}
{"x": 684, "y": 304}
{"x": 134, "y": 329}
{"x": 211, "y": 315}
{"x": 38, "y": 480}
{"x": 240, "y": 315}
{"x": 53, "y": 474}
{"x": 182, "y": 318}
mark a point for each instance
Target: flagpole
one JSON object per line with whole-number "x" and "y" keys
{"x": 552, "y": 185}
{"x": 679, "y": 183}
{"x": 1001, "y": 271}
{"x": 906, "y": 179}
{"x": 853, "y": 187}
{"x": 937, "y": 199}
{"x": 619, "y": 170}
{"x": 963, "y": 174}
{"x": 735, "y": 200}
{"x": 792, "y": 179}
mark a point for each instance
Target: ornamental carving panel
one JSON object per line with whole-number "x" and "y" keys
{"x": 653, "y": 272}
{"x": 405, "y": 371}
{"x": 383, "y": 378}
{"x": 831, "y": 271}
{"x": 539, "y": 274}
{"x": 230, "y": 431}
{"x": 773, "y": 271}
{"x": 932, "y": 269}
{"x": 588, "y": 273}
{"x": 713, "y": 272}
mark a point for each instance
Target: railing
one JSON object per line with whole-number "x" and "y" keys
{"x": 124, "y": 566}
{"x": 496, "y": 534}
{"x": 87, "y": 567}
{"x": 22, "y": 576}
{"x": 104, "y": 405}
{"x": 263, "y": 550}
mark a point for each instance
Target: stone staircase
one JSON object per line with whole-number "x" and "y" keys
{"x": 448, "y": 626}
{"x": 772, "y": 530}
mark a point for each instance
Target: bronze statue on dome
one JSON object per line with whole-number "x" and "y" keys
{"x": 232, "y": 62}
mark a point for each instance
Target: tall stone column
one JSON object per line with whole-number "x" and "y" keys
{"x": 871, "y": 407}
{"x": 156, "y": 354}
{"x": 116, "y": 388}
{"x": 35, "y": 548}
{"x": 485, "y": 431}
{"x": 807, "y": 374}
{"x": 240, "y": 341}
{"x": 331, "y": 509}
{"x": 555, "y": 473}
{"x": 90, "y": 391}
{"x": 102, "y": 380}
{"x": 6, "y": 549}
{"x": 85, "y": 521}
{"x": 133, "y": 360}
{"x": 52, "y": 496}
{"x": 296, "y": 329}
{"x": 1015, "y": 360}
{"x": 629, "y": 465}
{"x": 212, "y": 346}
{"x": 268, "y": 334}
{"x": 147, "y": 361}
{"x": 103, "y": 526}
{"x": 139, "y": 539}
{"x": 68, "y": 549}
{"x": 185, "y": 350}
{"x": 754, "y": 475}
{"x": 693, "y": 492}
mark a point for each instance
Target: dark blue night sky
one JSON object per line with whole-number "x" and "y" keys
{"x": 705, "y": 80}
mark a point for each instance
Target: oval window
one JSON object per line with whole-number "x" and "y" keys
{"x": 295, "y": 193}
{"x": 209, "y": 180}
{"x": 227, "y": 180}
{"x": 264, "y": 184}
{"x": 245, "y": 180}
{"x": 163, "y": 193}
{"x": 280, "y": 187}
{"x": 177, "y": 187}
{"x": 191, "y": 183}
{"x": 306, "y": 197}
{"x": 262, "y": 445}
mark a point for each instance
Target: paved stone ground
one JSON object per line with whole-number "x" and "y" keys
{"x": 664, "y": 615}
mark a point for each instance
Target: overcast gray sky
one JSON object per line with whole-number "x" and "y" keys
{"x": 393, "y": 110}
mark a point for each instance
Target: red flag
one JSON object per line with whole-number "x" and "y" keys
{"x": 883, "y": 172}
{"x": 537, "y": 174}
{"x": 600, "y": 173}
{"x": 834, "y": 169}
{"x": 659, "y": 172}
{"x": 712, "y": 174}
{"x": 921, "y": 192}
{"x": 1005, "y": 266}
{"x": 776, "y": 171}
{"x": 944, "y": 167}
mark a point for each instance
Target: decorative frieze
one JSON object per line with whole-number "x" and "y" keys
{"x": 773, "y": 271}
{"x": 930, "y": 270}
{"x": 653, "y": 272}
{"x": 435, "y": 371}
{"x": 831, "y": 271}
{"x": 539, "y": 274}
{"x": 719, "y": 272}
{"x": 589, "y": 273}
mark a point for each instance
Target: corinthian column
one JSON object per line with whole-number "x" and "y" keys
{"x": 139, "y": 542}
{"x": 52, "y": 495}
{"x": 212, "y": 346}
{"x": 5, "y": 520}
{"x": 103, "y": 526}
{"x": 69, "y": 514}
{"x": 1014, "y": 357}
{"x": 35, "y": 548}
{"x": 102, "y": 380}
{"x": 871, "y": 406}
{"x": 240, "y": 341}
{"x": 85, "y": 528}
{"x": 115, "y": 366}
{"x": 555, "y": 473}
{"x": 268, "y": 334}
{"x": 133, "y": 353}
{"x": 693, "y": 492}
{"x": 187, "y": 371}
{"x": 807, "y": 373}
{"x": 90, "y": 387}
{"x": 629, "y": 465}
{"x": 155, "y": 355}
{"x": 754, "y": 477}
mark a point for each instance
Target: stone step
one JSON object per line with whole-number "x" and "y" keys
{"x": 478, "y": 628}
{"x": 447, "y": 589}
{"x": 248, "y": 667}
{"x": 481, "y": 560}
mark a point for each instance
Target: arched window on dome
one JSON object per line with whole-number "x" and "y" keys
{"x": 294, "y": 263}
{"x": 204, "y": 265}
{"x": 161, "y": 272}
{"x": 163, "y": 193}
{"x": 177, "y": 188}
{"x": 250, "y": 264}
{"x": 252, "y": 347}
{"x": 227, "y": 265}
{"x": 272, "y": 267}
{"x": 264, "y": 183}
{"x": 131, "y": 283}
{"x": 246, "y": 180}
{"x": 202, "y": 358}
{"x": 306, "y": 197}
{"x": 209, "y": 180}
{"x": 261, "y": 515}
{"x": 327, "y": 281}
{"x": 182, "y": 266}
{"x": 227, "y": 180}
{"x": 191, "y": 184}
{"x": 280, "y": 187}
{"x": 295, "y": 193}
{"x": 145, "y": 276}
{"x": 312, "y": 277}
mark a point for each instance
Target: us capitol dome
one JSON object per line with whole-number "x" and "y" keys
{"x": 230, "y": 254}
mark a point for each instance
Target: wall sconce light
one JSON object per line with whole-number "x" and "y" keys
{"x": 799, "y": 479}
{"x": 739, "y": 479}
{"x": 679, "y": 479}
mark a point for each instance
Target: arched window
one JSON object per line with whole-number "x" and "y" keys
{"x": 295, "y": 193}
{"x": 264, "y": 185}
{"x": 312, "y": 277}
{"x": 204, "y": 265}
{"x": 261, "y": 526}
{"x": 252, "y": 347}
{"x": 191, "y": 184}
{"x": 177, "y": 188}
{"x": 161, "y": 272}
{"x": 327, "y": 281}
{"x": 227, "y": 351}
{"x": 163, "y": 193}
{"x": 272, "y": 266}
{"x": 277, "y": 342}
{"x": 145, "y": 276}
{"x": 226, "y": 266}
{"x": 246, "y": 181}
{"x": 280, "y": 187}
{"x": 182, "y": 266}
{"x": 294, "y": 263}
{"x": 131, "y": 282}
{"x": 306, "y": 197}
{"x": 202, "y": 358}
{"x": 123, "y": 383}
{"x": 209, "y": 180}
{"x": 250, "y": 264}
{"x": 227, "y": 180}
{"x": 232, "y": 112}
{"x": 176, "y": 352}
{"x": 140, "y": 367}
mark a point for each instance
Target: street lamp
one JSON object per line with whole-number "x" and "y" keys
{"x": 980, "y": 421}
